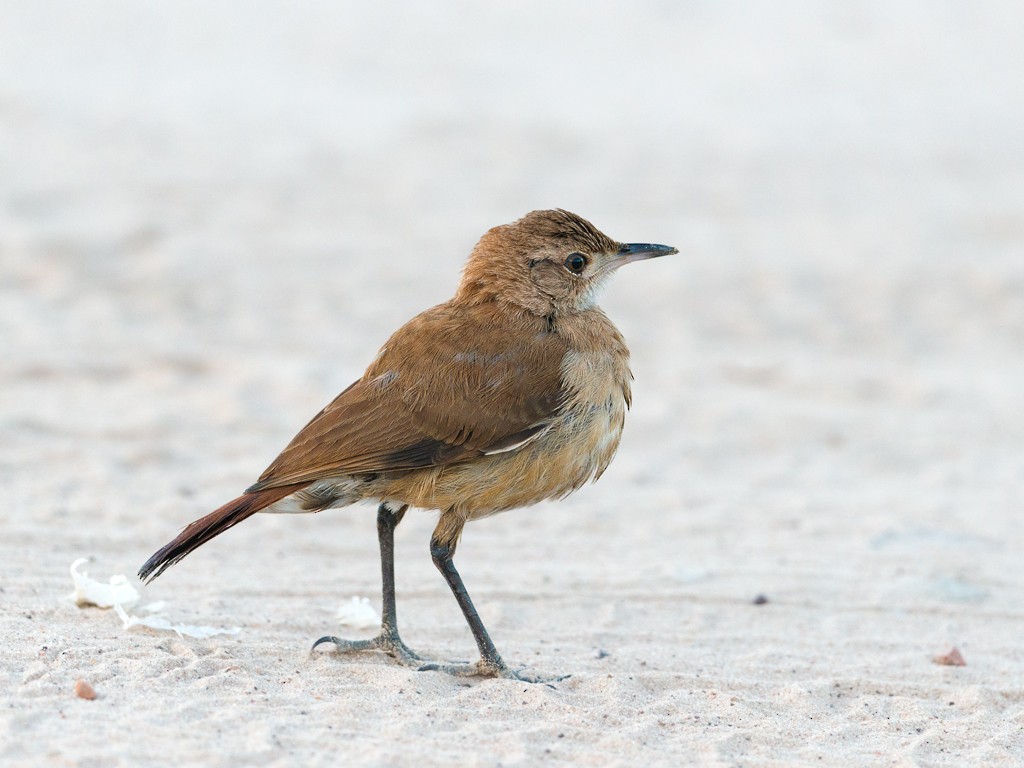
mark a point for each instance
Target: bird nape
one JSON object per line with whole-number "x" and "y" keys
{"x": 512, "y": 392}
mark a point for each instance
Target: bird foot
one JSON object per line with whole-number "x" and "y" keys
{"x": 387, "y": 642}
{"x": 391, "y": 644}
{"x": 488, "y": 668}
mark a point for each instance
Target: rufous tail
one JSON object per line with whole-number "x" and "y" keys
{"x": 205, "y": 528}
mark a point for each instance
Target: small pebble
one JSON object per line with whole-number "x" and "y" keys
{"x": 84, "y": 691}
{"x": 760, "y": 600}
{"x": 952, "y": 659}
{"x": 601, "y": 653}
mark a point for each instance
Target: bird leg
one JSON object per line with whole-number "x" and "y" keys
{"x": 388, "y": 639}
{"x": 490, "y": 663}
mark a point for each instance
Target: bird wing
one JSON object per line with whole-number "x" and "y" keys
{"x": 446, "y": 388}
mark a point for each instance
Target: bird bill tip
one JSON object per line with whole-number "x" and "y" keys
{"x": 639, "y": 251}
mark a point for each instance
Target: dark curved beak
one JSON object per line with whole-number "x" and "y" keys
{"x": 638, "y": 251}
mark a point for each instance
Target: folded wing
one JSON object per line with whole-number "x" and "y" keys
{"x": 440, "y": 392}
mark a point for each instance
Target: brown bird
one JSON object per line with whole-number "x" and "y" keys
{"x": 512, "y": 392}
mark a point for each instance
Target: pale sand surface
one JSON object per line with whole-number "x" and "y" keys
{"x": 210, "y": 218}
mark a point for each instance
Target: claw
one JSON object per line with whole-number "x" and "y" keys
{"x": 345, "y": 645}
{"x": 390, "y": 644}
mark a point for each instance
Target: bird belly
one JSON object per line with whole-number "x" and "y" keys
{"x": 576, "y": 448}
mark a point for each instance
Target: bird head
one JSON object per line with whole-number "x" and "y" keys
{"x": 548, "y": 263}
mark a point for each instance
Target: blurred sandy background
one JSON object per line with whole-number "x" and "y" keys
{"x": 212, "y": 214}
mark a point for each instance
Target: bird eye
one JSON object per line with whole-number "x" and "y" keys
{"x": 576, "y": 263}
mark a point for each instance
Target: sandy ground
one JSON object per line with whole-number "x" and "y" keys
{"x": 212, "y": 215}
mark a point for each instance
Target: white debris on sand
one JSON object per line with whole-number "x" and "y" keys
{"x": 121, "y": 595}
{"x": 358, "y": 614}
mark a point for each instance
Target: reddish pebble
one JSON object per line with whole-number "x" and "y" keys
{"x": 952, "y": 659}
{"x": 84, "y": 691}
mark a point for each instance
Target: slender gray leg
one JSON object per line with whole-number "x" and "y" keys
{"x": 387, "y": 521}
{"x": 388, "y": 639}
{"x": 490, "y": 663}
